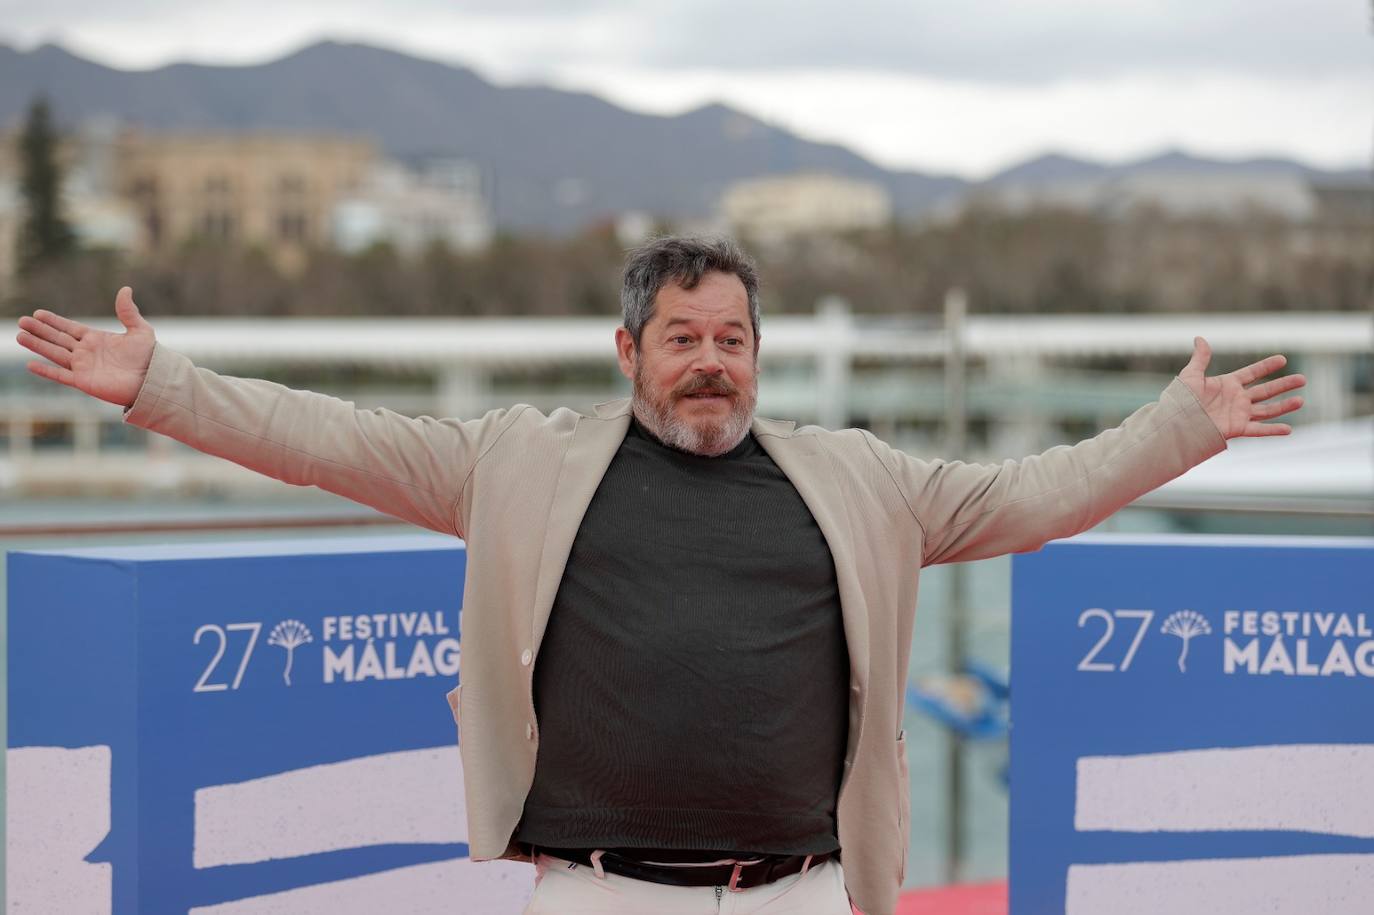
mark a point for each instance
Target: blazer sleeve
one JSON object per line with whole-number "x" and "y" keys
{"x": 973, "y": 511}
{"x": 414, "y": 469}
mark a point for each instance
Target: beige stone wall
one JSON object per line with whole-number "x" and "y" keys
{"x": 274, "y": 191}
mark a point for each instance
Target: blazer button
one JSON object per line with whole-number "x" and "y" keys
{"x": 529, "y": 731}
{"x": 526, "y": 657}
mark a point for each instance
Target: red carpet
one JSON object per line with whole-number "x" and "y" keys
{"x": 965, "y": 899}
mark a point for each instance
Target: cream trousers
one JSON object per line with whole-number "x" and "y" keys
{"x": 561, "y": 888}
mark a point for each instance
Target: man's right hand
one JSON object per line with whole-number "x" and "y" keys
{"x": 105, "y": 365}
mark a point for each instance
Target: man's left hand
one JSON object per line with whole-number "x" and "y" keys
{"x": 1234, "y": 402}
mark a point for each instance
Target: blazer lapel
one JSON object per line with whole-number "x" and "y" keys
{"x": 594, "y": 444}
{"x": 803, "y": 460}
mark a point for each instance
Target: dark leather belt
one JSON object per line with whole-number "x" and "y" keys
{"x": 741, "y": 875}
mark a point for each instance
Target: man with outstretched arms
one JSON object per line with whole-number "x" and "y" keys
{"x": 685, "y": 628}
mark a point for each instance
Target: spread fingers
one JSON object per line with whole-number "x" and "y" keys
{"x": 1278, "y": 386}
{"x": 53, "y": 373}
{"x": 46, "y": 331}
{"x": 49, "y": 351}
{"x": 1277, "y": 408}
{"x": 1253, "y": 429}
{"x": 1257, "y": 370}
{"x": 75, "y": 329}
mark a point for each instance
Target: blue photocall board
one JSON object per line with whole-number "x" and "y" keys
{"x": 1193, "y": 726}
{"x": 241, "y": 728}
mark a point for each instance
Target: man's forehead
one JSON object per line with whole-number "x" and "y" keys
{"x": 681, "y": 320}
{"x": 718, "y": 298}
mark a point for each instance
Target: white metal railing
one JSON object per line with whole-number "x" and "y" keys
{"x": 830, "y": 368}
{"x": 491, "y": 342}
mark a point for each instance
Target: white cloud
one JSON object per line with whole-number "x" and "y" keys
{"x": 995, "y": 41}
{"x": 974, "y": 129}
{"x": 965, "y": 87}
{"x": 1020, "y": 41}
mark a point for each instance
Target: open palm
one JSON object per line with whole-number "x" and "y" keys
{"x": 1234, "y": 402}
{"x": 105, "y": 365}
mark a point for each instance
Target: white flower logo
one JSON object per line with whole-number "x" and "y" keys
{"x": 289, "y": 634}
{"x": 1185, "y": 624}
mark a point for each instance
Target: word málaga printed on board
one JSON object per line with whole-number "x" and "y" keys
{"x": 388, "y": 646}
{"x": 1301, "y": 643}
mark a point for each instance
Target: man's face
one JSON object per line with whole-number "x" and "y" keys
{"x": 695, "y": 371}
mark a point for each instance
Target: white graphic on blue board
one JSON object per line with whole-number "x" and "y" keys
{"x": 60, "y": 811}
{"x": 289, "y": 634}
{"x": 1302, "y": 788}
{"x": 57, "y": 813}
{"x": 1186, "y": 624}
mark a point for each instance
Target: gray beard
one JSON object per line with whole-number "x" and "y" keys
{"x": 705, "y": 440}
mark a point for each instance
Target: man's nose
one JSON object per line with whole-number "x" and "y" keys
{"x": 708, "y": 361}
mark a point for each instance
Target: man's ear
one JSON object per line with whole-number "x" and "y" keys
{"x": 625, "y": 352}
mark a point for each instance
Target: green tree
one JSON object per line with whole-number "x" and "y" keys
{"x": 44, "y": 236}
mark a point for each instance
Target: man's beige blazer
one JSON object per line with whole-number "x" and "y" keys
{"x": 515, "y": 483}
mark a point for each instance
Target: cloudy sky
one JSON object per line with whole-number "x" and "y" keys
{"x": 961, "y": 86}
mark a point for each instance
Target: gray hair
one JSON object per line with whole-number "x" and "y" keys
{"x": 684, "y": 260}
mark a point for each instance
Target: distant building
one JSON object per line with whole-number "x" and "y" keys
{"x": 441, "y": 202}
{"x": 1229, "y": 192}
{"x": 10, "y": 215}
{"x": 1015, "y": 197}
{"x": 1181, "y": 193}
{"x": 90, "y": 203}
{"x": 274, "y": 190}
{"x": 286, "y": 193}
{"x": 776, "y": 208}
{"x": 1343, "y": 225}
{"x": 1345, "y": 203}
{"x": 99, "y": 216}
{"x": 102, "y": 221}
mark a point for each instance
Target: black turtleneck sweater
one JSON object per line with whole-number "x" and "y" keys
{"x": 692, "y": 685}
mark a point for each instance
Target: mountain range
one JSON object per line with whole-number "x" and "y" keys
{"x": 554, "y": 159}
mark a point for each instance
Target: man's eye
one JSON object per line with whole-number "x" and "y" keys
{"x": 681, "y": 339}
{"x": 735, "y": 341}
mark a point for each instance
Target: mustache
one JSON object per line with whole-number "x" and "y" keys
{"x": 707, "y": 386}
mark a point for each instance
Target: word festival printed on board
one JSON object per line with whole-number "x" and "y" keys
{"x": 1302, "y": 643}
{"x": 388, "y": 646}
